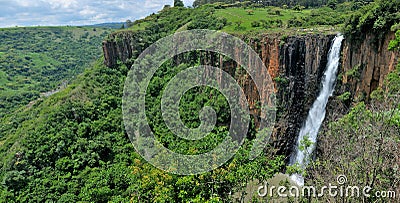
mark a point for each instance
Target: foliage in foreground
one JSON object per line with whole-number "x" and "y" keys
{"x": 72, "y": 147}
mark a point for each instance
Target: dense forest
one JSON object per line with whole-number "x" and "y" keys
{"x": 72, "y": 146}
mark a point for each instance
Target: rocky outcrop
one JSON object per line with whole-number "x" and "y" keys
{"x": 110, "y": 53}
{"x": 121, "y": 46}
{"x": 366, "y": 64}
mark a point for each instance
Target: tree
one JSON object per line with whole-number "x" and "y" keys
{"x": 129, "y": 23}
{"x": 238, "y": 24}
{"x": 178, "y": 3}
{"x": 332, "y": 4}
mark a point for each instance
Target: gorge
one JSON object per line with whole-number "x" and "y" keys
{"x": 297, "y": 65}
{"x": 309, "y": 131}
{"x": 75, "y": 145}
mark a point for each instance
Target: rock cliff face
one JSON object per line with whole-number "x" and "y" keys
{"x": 296, "y": 65}
{"x": 366, "y": 64}
{"x": 121, "y": 46}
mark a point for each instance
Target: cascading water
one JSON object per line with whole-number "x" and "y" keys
{"x": 316, "y": 115}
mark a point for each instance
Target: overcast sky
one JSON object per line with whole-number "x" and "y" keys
{"x": 76, "y": 12}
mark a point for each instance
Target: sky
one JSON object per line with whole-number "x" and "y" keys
{"x": 76, "y": 12}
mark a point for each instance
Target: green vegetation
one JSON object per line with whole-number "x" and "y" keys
{"x": 72, "y": 146}
{"x": 379, "y": 15}
{"x": 240, "y": 20}
{"x": 363, "y": 145}
{"x": 275, "y": 19}
{"x": 345, "y": 96}
{"x": 280, "y": 3}
{"x": 354, "y": 72}
{"x": 170, "y": 19}
{"x": 355, "y": 17}
{"x": 395, "y": 44}
{"x": 39, "y": 59}
{"x": 281, "y": 80}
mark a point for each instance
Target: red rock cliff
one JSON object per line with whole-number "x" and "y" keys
{"x": 296, "y": 64}
{"x": 366, "y": 64}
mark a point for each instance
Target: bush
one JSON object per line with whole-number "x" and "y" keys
{"x": 295, "y": 22}
{"x": 354, "y": 72}
{"x": 281, "y": 80}
{"x": 298, "y": 8}
{"x": 395, "y": 43}
{"x": 255, "y": 24}
{"x": 345, "y": 96}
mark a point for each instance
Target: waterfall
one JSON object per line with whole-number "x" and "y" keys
{"x": 316, "y": 114}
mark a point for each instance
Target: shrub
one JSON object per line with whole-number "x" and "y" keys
{"x": 295, "y": 22}
{"x": 345, "y": 96}
{"x": 354, "y": 72}
{"x": 255, "y": 24}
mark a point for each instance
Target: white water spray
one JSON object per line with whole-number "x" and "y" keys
{"x": 317, "y": 112}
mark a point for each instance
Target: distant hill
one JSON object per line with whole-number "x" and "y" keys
{"x": 290, "y": 3}
{"x": 114, "y": 25}
{"x": 36, "y": 60}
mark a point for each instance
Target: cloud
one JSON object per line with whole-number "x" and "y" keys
{"x": 76, "y": 12}
{"x": 188, "y": 2}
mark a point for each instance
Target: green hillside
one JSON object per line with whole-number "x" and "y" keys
{"x": 74, "y": 148}
{"x": 245, "y": 19}
{"x": 275, "y": 19}
{"x": 35, "y": 60}
{"x": 288, "y": 3}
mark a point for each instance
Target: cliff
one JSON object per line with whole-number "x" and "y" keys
{"x": 122, "y": 46}
{"x": 366, "y": 64}
{"x": 296, "y": 64}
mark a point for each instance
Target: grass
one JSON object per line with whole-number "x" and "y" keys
{"x": 235, "y": 15}
{"x": 272, "y": 20}
{"x": 139, "y": 26}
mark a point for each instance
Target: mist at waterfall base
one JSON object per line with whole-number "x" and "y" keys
{"x": 317, "y": 112}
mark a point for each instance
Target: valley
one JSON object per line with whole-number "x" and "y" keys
{"x": 74, "y": 145}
